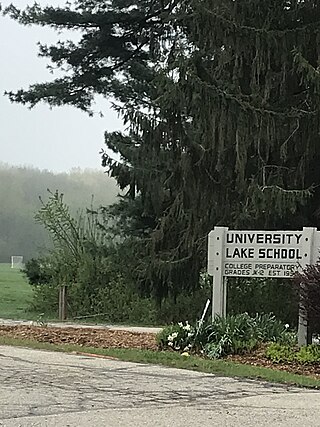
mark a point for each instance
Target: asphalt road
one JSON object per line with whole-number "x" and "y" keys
{"x": 47, "y": 389}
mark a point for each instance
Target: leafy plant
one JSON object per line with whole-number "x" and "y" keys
{"x": 279, "y": 353}
{"x": 178, "y": 337}
{"x": 263, "y": 295}
{"x": 233, "y": 334}
{"x": 41, "y": 321}
{"x": 309, "y": 354}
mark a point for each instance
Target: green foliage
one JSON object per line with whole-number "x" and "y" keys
{"x": 280, "y": 353}
{"x": 178, "y": 337}
{"x": 185, "y": 306}
{"x": 221, "y": 103}
{"x": 19, "y": 200}
{"x": 238, "y": 333}
{"x": 37, "y": 272}
{"x": 76, "y": 257}
{"x": 45, "y": 300}
{"x": 107, "y": 293}
{"x": 231, "y": 335}
{"x": 308, "y": 354}
{"x": 41, "y": 275}
{"x": 264, "y": 296}
{"x": 85, "y": 260}
{"x": 116, "y": 302}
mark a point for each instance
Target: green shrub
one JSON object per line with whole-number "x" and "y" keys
{"x": 45, "y": 300}
{"x": 242, "y": 333}
{"x": 308, "y": 354}
{"x": 177, "y": 337}
{"x": 268, "y": 328}
{"x": 36, "y": 271}
{"x": 120, "y": 303}
{"x": 230, "y": 335}
{"x": 254, "y": 295}
{"x": 185, "y": 306}
{"x": 279, "y": 353}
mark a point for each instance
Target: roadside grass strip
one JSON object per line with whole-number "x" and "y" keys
{"x": 174, "y": 360}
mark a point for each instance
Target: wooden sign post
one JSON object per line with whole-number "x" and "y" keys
{"x": 251, "y": 253}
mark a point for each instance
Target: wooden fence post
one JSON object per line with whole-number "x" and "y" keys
{"x": 63, "y": 302}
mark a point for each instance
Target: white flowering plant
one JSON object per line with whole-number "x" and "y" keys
{"x": 177, "y": 337}
{"x": 234, "y": 334}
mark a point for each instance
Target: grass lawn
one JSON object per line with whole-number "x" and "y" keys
{"x": 15, "y": 294}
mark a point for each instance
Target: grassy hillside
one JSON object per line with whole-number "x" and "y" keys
{"x": 15, "y": 294}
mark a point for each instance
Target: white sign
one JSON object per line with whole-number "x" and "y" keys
{"x": 259, "y": 253}
{"x": 259, "y": 270}
{"x": 273, "y": 254}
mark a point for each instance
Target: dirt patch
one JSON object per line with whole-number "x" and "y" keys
{"x": 87, "y": 337}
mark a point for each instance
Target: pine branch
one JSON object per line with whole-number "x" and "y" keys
{"x": 243, "y": 30}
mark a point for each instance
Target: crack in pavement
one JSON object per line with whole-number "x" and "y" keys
{"x": 37, "y": 384}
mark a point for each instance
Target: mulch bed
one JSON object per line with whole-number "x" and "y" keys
{"x": 89, "y": 337}
{"x": 258, "y": 358}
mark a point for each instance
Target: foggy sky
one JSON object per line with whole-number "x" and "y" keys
{"x": 57, "y": 139}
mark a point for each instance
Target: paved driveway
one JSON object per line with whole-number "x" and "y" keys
{"x": 39, "y": 388}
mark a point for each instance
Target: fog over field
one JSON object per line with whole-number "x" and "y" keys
{"x": 19, "y": 200}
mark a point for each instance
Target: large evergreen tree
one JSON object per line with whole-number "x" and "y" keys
{"x": 221, "y": 98}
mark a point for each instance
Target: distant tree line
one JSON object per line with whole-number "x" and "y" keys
{"x": 20, "y": 190}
